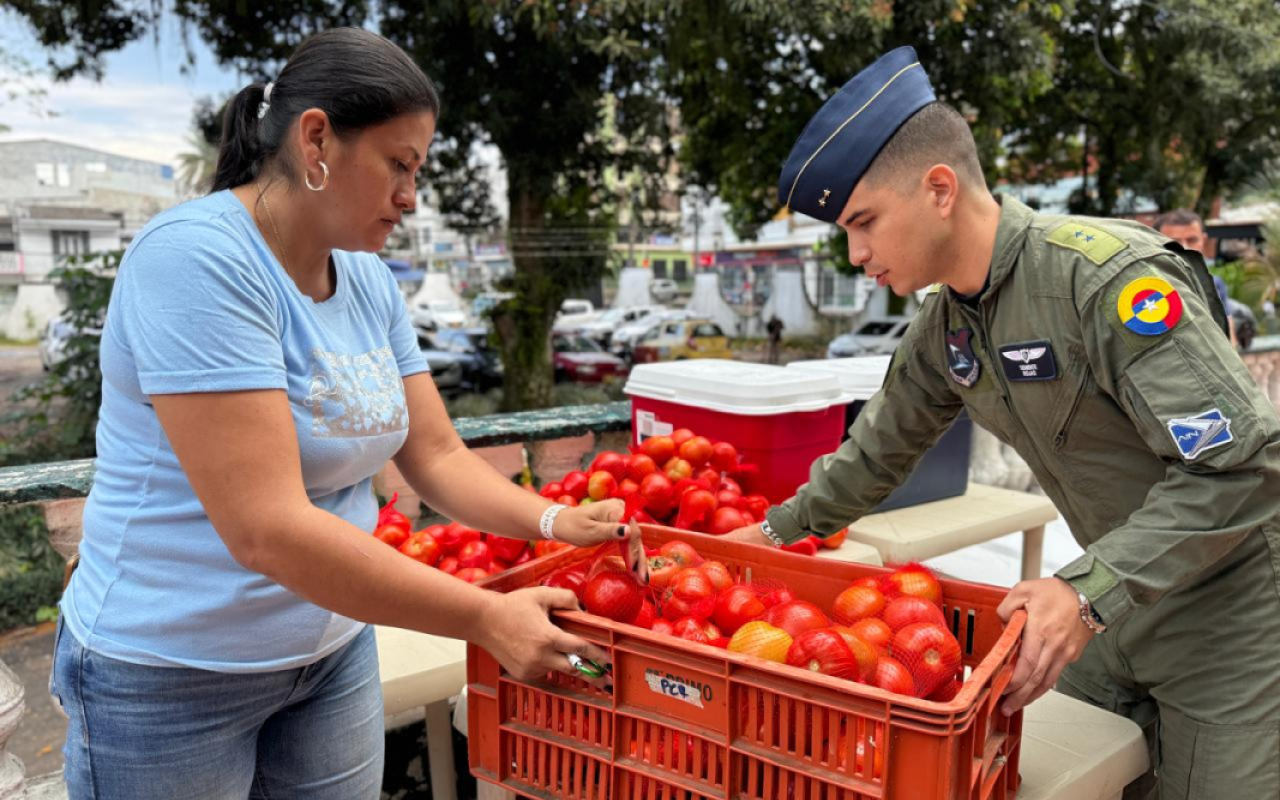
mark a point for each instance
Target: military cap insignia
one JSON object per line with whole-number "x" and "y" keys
{"x": 1096, "y": 244}
{"x": 823, "y": 200}
{"x": 1149, "y": 306}
{"x": 1196, "y": 435}
{"x": 962, "y": 363}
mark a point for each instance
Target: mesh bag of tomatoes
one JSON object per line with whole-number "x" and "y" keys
{"x": 886, "y": 631}
{"x": 455, "y": 549}
{"x": 683, "y": 480}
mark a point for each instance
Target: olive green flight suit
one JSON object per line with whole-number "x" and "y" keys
{"x": 1158, "y": 449}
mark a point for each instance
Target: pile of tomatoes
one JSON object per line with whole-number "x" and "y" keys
{"x": 886, "y": 631}
{"x": 683, "y": 481}
{"x": 454, "y": 548}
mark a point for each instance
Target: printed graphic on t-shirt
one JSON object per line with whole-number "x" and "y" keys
{"x": 356, "y": 395}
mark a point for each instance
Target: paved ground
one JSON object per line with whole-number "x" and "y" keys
{"x": 19, "y": 365}
{"x": 38, "y": 740}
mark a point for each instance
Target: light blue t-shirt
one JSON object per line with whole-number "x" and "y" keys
{"x": 201, "y": 305}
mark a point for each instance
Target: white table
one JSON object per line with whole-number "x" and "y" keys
{"x": 979, "y": 515}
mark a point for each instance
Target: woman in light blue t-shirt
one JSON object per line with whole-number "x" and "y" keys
{"x": 258, "y": 370}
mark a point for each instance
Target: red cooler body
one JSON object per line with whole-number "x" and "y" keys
{"x": 780, "y": 420}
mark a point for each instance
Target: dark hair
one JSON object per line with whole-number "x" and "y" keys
{"x": 936, "y": 134}
{"x": 355, "y": 76}
{"x": 1179, "y": 216}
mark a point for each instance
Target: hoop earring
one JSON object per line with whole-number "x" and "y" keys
{"x": 324, "y": 183}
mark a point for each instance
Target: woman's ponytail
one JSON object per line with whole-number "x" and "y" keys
{"x": 240, "y": 152}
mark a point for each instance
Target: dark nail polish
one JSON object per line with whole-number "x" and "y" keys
{"x": 622, "y": 531}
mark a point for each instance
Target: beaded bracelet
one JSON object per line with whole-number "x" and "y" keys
{"x": 548, "y": 520}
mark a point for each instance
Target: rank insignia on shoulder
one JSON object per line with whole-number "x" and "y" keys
{"x": 1149, "y": 306}
{"x": 961, "y": 360}
{"x": 1028, "y": 361}
{"x": 1196, "y": 435}
{"x": 1096, "y": 244}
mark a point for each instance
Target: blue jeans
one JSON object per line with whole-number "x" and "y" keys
{"x": 138, "y": 732}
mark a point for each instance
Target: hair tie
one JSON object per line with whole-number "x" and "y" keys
{"x": 265, "y": 105}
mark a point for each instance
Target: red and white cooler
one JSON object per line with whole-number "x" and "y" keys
{"x": 780, "y": 420}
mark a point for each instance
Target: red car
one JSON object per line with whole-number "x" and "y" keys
{"x": 577, "y": 358}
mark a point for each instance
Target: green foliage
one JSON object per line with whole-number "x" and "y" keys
{"x": 30, "y": 569}
{"x": 58, "y": 417}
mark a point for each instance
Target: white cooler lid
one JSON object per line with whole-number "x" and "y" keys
{"x": 735, "y": 387}
{"x": 858, "y": 377}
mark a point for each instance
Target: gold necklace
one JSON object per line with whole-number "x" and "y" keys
{"x": 284, "y": 260}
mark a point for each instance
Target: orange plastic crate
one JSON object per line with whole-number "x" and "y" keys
{"x": 693, "y": 722}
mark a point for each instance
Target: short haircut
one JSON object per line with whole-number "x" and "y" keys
{"x": 936, "y": 134}
{"x": 1179, "y": 216}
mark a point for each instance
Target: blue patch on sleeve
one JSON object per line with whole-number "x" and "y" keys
{"x": 1196, "y": 435}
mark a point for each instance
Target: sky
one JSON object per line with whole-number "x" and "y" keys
{"x": 141, "y": 108}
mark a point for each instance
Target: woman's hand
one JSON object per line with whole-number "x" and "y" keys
{"x": 517, "y": 630}
{"x": 584, "y": 526}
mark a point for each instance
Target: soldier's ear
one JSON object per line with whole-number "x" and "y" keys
{"x": 942, "y": 188}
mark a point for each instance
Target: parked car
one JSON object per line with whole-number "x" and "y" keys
{"x": 481, "y": 364}
{"x": 624, "y": 339}
{"x": 675, "y": 340}
{"x": 56, "y": 337}
{"x": 446, "y": 368}
{"x": 663, "y": 290}
{"x": 573, "y": 314}
{"x": 431, "y": 315}
{"x": 602, "y": 329}
{"x": 577, "y": 358}
{"x": 871, "y": 338}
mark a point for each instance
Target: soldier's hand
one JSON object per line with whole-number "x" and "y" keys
{"x": 751, "y": 534}
{"x": 1053, "y": 638}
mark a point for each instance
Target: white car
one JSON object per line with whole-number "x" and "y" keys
{"x": 573, "y": 314}
{"x": 432, "y": 315}
{"x": 663, "y": 290}
{"x": 872, "y": 338}
{"x": 602, "y": 329}
{"x": 56, "y": 338}
{"x": 625, "y": 336}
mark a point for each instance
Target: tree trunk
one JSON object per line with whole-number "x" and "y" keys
{"x": 523, "y": 325}
{"x": 1210, "y": 187}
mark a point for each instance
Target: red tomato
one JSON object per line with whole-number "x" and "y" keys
{"x": 678, "y": 469}
{"x": 874, "y": 632}
{"x": 708, "y": 477}
{"x": 472, "y": 574}
{"x": 680, "y": 436}
{"x": 615, "y": 595}
{"x": 613, "y": 463}
{"x": 662, "y": 570}
{"x": 754, "y": 504}
{"x": 856, "y": 603}
{"x": 724, "y": 456}
{"x": 639, "y": 466}
{"x": 735, "y": 607}
{"x": 663, "y": 626}
{"x": 805, "y": 547}
{"x": 658, "y": 448}
{"x": 567, "y": 500}
{"x": 691, "y": 594}
{"x": 544, "y": 547}
{"x": 498, "y": 565}
{"x": 730, "y": 484}
{"x": 681, "y": 552}
{"x": 390, "y": 515}
{"x": 720, "y": 576}
{"x": 475, "y": 554}
{"x": 658, "y": 493}
{"x": 421, "y": 547}
{"x": 601, "y": 485}
{"x": 776, "y": 596}
{"x": 627, "y": 487}
{"x": 865, "y": 653}
{"x": 796, "y": 617}
{"x": 552, "y": 490}
{"x": 871, "y": 582}
{"x": 834, "y": 541}
{"x": 728, "y": 498}
{"x": 947, "y": 692}
{"x": 566, "y": 578}
{"x": 823, "y": 650}
{"x": 448, "y": 565}
{"x": 909, "y": 610}
{"x": 575, "y": 484}
{"x": 930, "y": 653}
{"x": 695, "y": 629}
{"x": 696, "y": 507}
{"x": 647, "y": 615}
{"x": 697, "y": 451}
{"x": 507, "y": 549}
{"x": 392, "y": 535}
{"x": 915, "y": 580}
{"x": 891, "y": 676}
{"x": 453, "y": 536}
{"x": 525, "y": 556}
{"x": 609, "y": 563}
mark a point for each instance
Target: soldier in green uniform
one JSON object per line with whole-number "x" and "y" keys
{"x": 1095, "y": 348}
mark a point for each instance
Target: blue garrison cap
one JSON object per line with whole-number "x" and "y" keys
{"x": 845, "y": 136}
